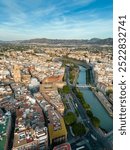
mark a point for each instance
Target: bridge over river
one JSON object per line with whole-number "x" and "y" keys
{"x": 83, "y": 85}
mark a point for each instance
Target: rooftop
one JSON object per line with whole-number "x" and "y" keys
{"x": 57, "y": 133}
{"x": 65, "y": 146}
{"x": 24, "y": 137}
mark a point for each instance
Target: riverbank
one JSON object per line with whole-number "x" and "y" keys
{"x": 105, "y": 104}
{"x": 95, "y": 121}
{"x": 76, "y": 77}
{"x": 96, "y": 106}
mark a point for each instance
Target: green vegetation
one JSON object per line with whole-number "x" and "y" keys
{"x": 80, "y": 96}
{"x": 73, "y": 68}
{"x": 64, "y": 78}
{"x": 72, "y": 76}
{"x": 70, "y": 118}
{"x": 78, "y": 129}
{"x": 86, "y": 106}
{"x": 13, "y": 47}
{"x": 89, "y": 113}
{"x": 73, "y": 72}
{"x": 88, "y": 76}
{"x": 66, "y": 89}
{"x": 95, "y": 120}
{"x": 109, "y": 91}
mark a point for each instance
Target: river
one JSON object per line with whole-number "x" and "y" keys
{"x": 106, "y": 122}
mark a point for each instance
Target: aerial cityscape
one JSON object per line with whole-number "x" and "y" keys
{"x": 51, "y": 95}
{"x": 56, "y": 75}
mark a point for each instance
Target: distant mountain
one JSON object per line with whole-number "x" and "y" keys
{"x": 96, "y": 41}
{"x": 45, "y": 41}
{"x": 108, "y": 41}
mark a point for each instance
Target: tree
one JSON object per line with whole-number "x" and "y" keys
{"x": 70, "y": 118}
{"x": 86, "y": 106}
{"x": 66, "y": 89}
{"x": 89, "y": 113}
{"x": 95, "y": 121}
{"x": 109, "y": 91}
{"x": 78, "y": 129}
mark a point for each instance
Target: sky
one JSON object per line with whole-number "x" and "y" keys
{"x": 55, "y": 19}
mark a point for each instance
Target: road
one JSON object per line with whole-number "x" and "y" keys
{"x": 101, "y": 139}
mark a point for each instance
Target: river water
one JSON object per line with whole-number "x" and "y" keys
{"x": 106, "y": 122}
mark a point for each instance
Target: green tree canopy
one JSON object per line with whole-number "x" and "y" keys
{"x": 89, "y": 113}
{"x": 70, "y": 118}
{"x": 78, "y": 129}
{"x": 109, "y": 91}
{"x": 95, "y": 121}
{"x": 66, "y": 89}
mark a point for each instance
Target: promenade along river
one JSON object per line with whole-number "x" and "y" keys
{"x": 96, "y": 107}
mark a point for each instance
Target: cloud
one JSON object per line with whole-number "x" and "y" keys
{"x": 33, "y": 19}
{"x": 82, "y": 2}
{"x": 14, "y": 14}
